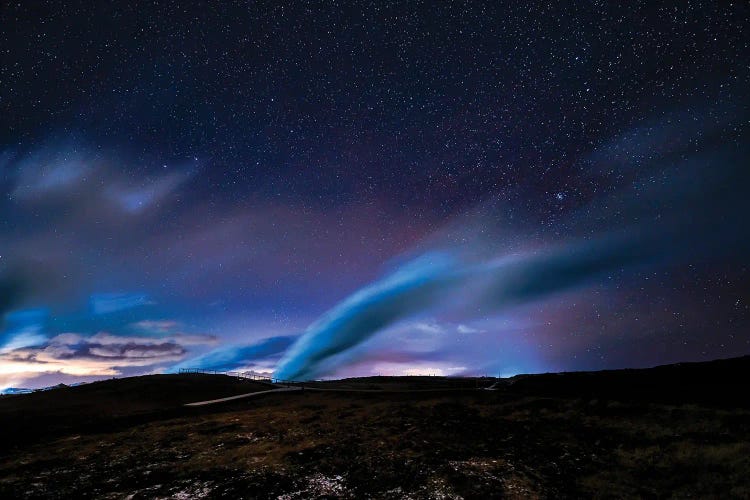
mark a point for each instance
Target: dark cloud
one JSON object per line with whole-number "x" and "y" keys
{"x": 11, "y": 291}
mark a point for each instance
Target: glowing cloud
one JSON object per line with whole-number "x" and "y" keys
{"x": 430, "y": 279}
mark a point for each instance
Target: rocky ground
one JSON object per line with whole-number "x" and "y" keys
{"x": 445, "y": 439}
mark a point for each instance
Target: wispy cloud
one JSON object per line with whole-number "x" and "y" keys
{"x": 50, "y": 171}
{"x": 155, "y": 326}
{"x": 136, "y": 199}
{"x": 24, "y": 328}
{"x": 105, "y": 303}
{"x": 104, "y": 338}
{"x": 468, "y": 329}
{"x": 25, "y": 337}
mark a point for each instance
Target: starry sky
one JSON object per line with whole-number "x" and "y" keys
{"x": 330, "y": 189}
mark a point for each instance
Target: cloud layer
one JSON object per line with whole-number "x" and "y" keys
{"x": 688, "y": 216}
{"x": 102, "y": 354}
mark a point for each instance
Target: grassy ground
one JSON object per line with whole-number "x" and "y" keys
{"x": 445, "y": 443}
{"x": 108, "y": 404}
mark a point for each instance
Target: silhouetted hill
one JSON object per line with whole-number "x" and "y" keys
{"x": 104, "y": 404}
{"x": 719, "y": 382}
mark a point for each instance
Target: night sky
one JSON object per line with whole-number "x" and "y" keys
{"x": 324, "y": 189}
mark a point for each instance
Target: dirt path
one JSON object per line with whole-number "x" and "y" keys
{"x": 242, "y": 396}
{"x": 319, "y": 389}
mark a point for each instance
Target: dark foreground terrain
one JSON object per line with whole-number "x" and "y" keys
{"x": 675, "y": 431}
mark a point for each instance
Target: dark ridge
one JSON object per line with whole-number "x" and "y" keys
{"x": 109, "y": 404}
{"x": 720, "y": 382}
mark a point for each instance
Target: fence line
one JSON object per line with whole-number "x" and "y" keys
{"x": 245, "y": 375}
{"x": 242, "y": 375}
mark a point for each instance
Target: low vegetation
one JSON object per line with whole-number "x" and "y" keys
{"x": 442, "y": 441}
